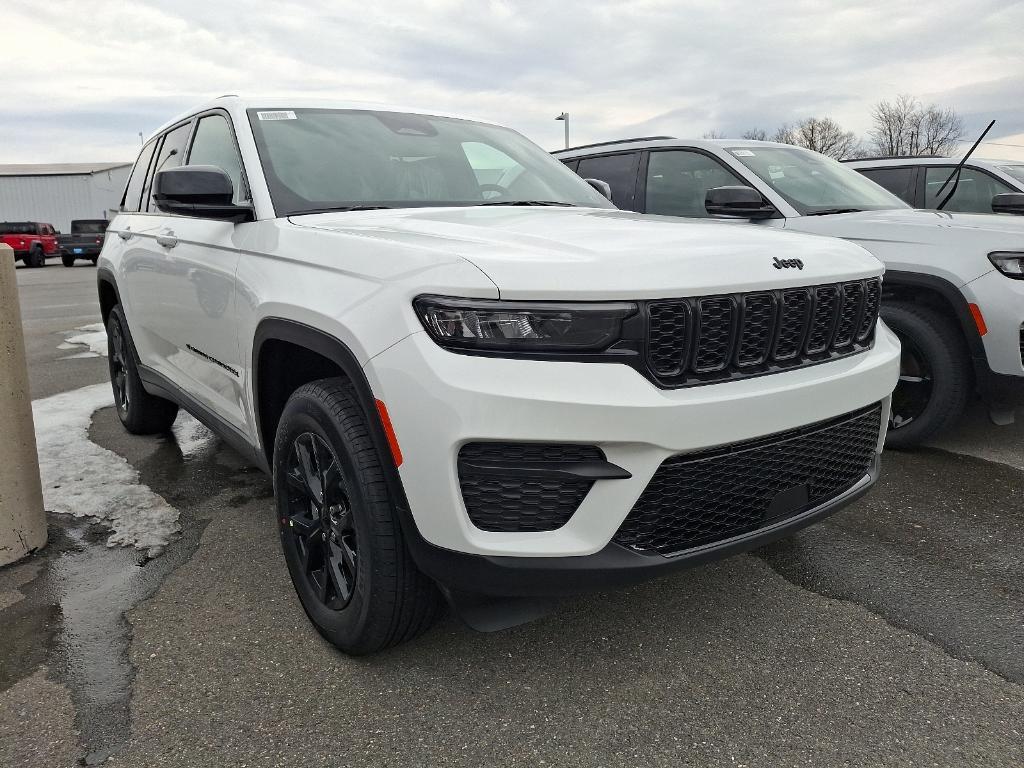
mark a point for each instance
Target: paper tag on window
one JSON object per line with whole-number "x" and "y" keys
{"x": 281, "y": 114}
{"x": 743, "y": 153}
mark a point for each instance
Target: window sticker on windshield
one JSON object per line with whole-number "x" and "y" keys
{"x": 743, "y": 153}
{"x": 282, "y": 114}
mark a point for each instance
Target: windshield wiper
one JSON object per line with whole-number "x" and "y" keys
{"x": 342, "y": 208}
{"x": 830, "y": 211}
{"x": 529, "y": 202}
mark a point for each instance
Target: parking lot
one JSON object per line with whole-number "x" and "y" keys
{"x": 891, "y": 634}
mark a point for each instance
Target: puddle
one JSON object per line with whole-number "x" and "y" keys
{"x": 72, "y": 616}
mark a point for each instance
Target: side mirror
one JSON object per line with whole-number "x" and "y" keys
{"x": 601, "y": 186}
{"x": 204, "y": 191}
{"x": 1008, "y": 202}
{"x": 738, "y": 203}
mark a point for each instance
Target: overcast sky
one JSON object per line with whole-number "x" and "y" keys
{"x": 81, "y": 79}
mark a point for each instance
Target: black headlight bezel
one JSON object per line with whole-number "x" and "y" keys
{"x": 996, "y": 256}
{"x": 618, "y": 313}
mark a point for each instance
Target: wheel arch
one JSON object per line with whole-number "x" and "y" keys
{"x": 106, "y": 285}
{"x": 939, "y": 294}
{"x": 312, "y": 354}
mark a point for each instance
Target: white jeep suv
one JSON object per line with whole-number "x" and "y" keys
{"x": 954, "y": 283}
{"x": 468, "y": 375}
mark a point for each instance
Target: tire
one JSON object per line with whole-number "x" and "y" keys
{"x": 936, "y": 378}
{"x": 36, "y": 257}
{"x": 94, "y": 259}
{"x": 67, "y": 260}
{"x": 140, "y": 412}
{"x": 344, "y": 547}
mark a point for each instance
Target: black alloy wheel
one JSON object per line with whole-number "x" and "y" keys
{"x": 914, "y": 390}
{"x": 118, "y": 356}
{"x": 320, "y": 519}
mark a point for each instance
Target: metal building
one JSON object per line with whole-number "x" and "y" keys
{"x": 57, "y": 193}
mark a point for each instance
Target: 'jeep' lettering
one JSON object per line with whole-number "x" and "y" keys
{"x": 787, "y": 263}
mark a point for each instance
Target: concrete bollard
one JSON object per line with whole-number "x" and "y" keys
{"x": 22, "y": 519}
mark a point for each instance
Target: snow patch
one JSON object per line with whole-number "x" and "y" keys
{"x": 93, "y": 337}
{"x": 84, "y": 480}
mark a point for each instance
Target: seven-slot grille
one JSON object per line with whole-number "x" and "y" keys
{"x": 701, "y": 498}
{"x": 700, "y": 339}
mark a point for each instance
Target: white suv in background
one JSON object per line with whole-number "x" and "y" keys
{"x": 954, "y": 282}
{"x": 985, "y": 186}
{"x": 467, "y": 374}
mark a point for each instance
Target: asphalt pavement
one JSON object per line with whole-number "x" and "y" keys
{"x": 890, "y": 635}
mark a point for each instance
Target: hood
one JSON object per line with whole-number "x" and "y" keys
{"x": 912, "y": 225}
{"x": 590, "y": 253}
{"x": 953, "y": 246}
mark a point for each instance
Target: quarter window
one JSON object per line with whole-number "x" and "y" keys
{"x": 899, "y": 181}
{"x": 133, "y": 192}
{"x": 618, "y": 171}
{"x": 973, "y": 194}
{"x": 214, "y": 144}
{"x": 678, "y": 182}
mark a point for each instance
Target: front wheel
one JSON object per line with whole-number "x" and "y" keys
{"x": 339, "y": 525}
{"x": 935, "y": 374}
{"x": 36, "y": 257}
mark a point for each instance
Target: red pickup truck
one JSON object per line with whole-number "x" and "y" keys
{"x": 32, "y": 241}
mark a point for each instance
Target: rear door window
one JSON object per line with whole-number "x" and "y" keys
{"x": 171, "y": 155}
{"x": 618, "y": 171}
{"x": 678, "y": 182}
{"x": 899, "y": 181}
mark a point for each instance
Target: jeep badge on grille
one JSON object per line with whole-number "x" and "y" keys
{"x": 787, "y": 263}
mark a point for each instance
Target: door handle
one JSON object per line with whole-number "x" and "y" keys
{"x": 125, "y": 234}
{"x": 167, "y": 240}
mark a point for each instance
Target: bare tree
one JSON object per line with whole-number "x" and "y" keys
{"x": 755, "y": 134}
{"x": 715, "y": 134}
{"x": 784, "y": 134}
{"x": 941, "y": 129}
{"x": 906, "y": 127}
{"x": 822, "y": 134}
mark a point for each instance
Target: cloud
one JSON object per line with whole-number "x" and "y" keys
{"x": 112, "y": 70}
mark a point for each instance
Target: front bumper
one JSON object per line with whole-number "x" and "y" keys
{"x": 612, "y": 567}
{"x": 1001, "y": 300}
{"x": 438, "y": 401}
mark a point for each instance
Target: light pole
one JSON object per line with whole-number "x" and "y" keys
{"x": 564, "y": 117}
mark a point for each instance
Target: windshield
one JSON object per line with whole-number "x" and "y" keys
{"x": 1017, "y": 171}
{"x": 317, "y": 159}
{"x": 17, "y": 228}
{"x": 812, "y": 183}
{"x": 89, "y": 226}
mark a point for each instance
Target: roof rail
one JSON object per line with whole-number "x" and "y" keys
{"x": 894, "y": 157}
{"x": 609, "y": 143}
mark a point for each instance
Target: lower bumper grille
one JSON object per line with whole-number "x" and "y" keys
{"x": 697, "y": 499}
{"x": 524, "y": 499}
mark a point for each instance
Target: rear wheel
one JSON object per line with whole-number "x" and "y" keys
{"x": 339, "y": 525}
{"x": 67, "y": 260}
{"x": 140, "y": 412}
{"x": 36, "y": 257}
{"x": 94, "y": 259}
{"x": 935, "y": 374}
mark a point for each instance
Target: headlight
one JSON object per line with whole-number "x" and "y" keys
{"x": 528, "y": 327}
{"x": 1010, "y": 263}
